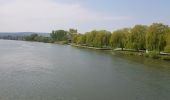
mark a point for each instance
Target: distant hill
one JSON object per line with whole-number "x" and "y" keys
{"x": 21, "y": 34}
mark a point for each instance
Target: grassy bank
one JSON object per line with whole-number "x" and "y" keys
{"x": 95, "y": 48}
{"x": 153, "y": 54}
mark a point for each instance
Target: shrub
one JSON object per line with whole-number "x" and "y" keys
{"x": 165, "y": 58}
{"x": 154, "y": 54}
{"x": 167, "y": 49}
{"x": 146, "y": 55}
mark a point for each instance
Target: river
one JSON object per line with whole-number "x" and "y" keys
{"x": 39, "y": 71}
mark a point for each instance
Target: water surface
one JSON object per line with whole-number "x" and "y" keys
{"x": 38, "y": 71}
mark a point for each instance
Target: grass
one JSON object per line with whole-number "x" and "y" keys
{"x": 167, "y": 58}
{"x": 153, "y": 54}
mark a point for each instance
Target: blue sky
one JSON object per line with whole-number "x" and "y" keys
{"x": 85, "y": 15}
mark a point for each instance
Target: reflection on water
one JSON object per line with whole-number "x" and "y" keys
{"x": 38, "y": 71}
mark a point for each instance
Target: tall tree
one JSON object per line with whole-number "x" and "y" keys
{"x": 59, "y": 35}
{"x": 136, "y": 37}
{"x": 73, "y": 31}
{"x": 81, "y": 39}
{"x": 102, "y": 38}
{"x": 90, "y": 36}
{"x": 32, "y": 37}
{"x": 167, "y": 48}
{"x": 118, "y": 38}
{"x": 155, "y": 37}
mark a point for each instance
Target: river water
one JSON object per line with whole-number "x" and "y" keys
{"x": 39, "y": 71}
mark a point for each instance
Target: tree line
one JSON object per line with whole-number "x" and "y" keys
{"x": 155, "y": 37}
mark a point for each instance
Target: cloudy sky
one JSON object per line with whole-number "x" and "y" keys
{"x": 84, "y": 15}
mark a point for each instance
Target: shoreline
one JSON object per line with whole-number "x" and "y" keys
{"x": 95, "y": 48}
{"x": 160, "y": 56}
{"x": 128, "y": 52}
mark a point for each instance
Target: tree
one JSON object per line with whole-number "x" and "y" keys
{"x": 90, "y": 36}
{"x": 167, "y": 48}
{"x": 32, "y": 37}
{"x": 136, "y": 37}
{"x": 155, "y": 37}
{"x": 73, "y": 31}
{"x": 102, "y": 38}
{"x": 118, "y": 38}
{"x": 75, "y": 38}
{"x": 81, "y": 39}
{"x": 98, "y": 39}
{"x": 106, "y": 38}
{"x": 59, "y": 35}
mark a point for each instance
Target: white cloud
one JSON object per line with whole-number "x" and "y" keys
{"x": 45, "y": 15}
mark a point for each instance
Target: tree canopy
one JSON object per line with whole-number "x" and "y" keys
{"x": 59, "y": 35}
{"x": 155, "y": 37}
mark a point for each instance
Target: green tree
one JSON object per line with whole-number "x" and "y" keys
{"x": 167, "y": 48}
{"x": 59, "y": 35}
{"x": 73, "y": 31}
{"x": 102, "y": 39}
{"x": 75, "y": 38}
{"x": 136, "y": 37}
{"x": 81, "y": 40}
{"x": 118, "y": 38}
{"x": 90, "y": 36}
{"x": 32, "y": 37}
{"x": 155, "y": 37}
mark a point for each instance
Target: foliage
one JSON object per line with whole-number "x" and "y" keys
{"x": 136, "y": 37}
{"x": 118, "y": 38}
{"x": 154, "y": 54}
{"x": 102, "y": 39}
{"x": 155, "y": 37}
{"x": 32, "y": 37}
{"x": 93, "y": 39}
{"x": 73, "y": 31}
{"x": 90, "y": 40}
{"x": 36, "y": 37}
{"x": 59, "y": 35}
{"x": 165, "y": 58}
{"x": 167, "y": 48}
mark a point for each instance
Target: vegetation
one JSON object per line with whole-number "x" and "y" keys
{"x": 38, "y": 38}
{"x": 136, "y": 38}
{"x": 59, "y": 35}
{"x": 167, "y": 47}
{"x": 154, "y": 54}
{"x": 153, "y": 39}
{"x": 94, "y": 38}
{"x": 167, "y": 58}
{"x": 118, "y": 38}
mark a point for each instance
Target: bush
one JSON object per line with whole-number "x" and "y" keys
{"x": 167, "y": 49}
{"x": 146, "y": 55}
{"x": 165, "y": 58}
{"x": 154, "y": 54}
{"x": 61, "y": 42}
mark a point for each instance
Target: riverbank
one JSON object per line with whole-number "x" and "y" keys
{"x": 95, "y": 48}
{"x": 153, "y": 55}
{"x": 125, "y": 52}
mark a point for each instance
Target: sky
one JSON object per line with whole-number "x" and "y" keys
{"x": 84, "y": 15}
